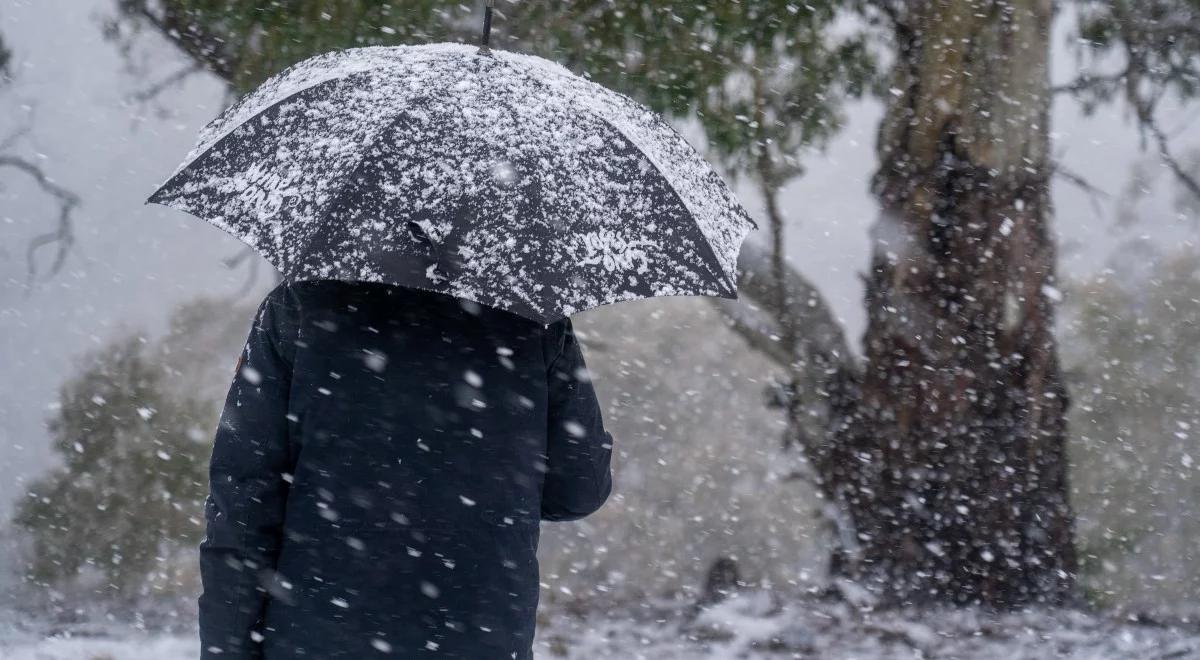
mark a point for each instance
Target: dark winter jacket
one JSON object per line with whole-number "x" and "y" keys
{"x": 381, "y": 467}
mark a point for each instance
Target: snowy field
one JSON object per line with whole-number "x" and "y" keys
{"x": 750, "y": 627}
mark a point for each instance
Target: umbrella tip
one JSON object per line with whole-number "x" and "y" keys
{"x": 488, "y": 8}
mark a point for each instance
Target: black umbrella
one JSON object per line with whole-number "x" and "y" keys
{"x": 491, "y": 176}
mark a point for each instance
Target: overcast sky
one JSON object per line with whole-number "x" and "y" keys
{"x": 134, "y": 263}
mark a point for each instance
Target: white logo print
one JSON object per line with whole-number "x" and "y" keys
{"x": 612, "y": 252}
{"x": 266, "y": 191}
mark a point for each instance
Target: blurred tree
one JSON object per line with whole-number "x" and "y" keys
{"x": 949, "y": 459}
{"x": 942, "y": 454}
{"x": 132, "y": 480}
{"x": 132, "y": 430}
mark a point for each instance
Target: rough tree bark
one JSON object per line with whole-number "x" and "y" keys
{"x": 949, "y": 457}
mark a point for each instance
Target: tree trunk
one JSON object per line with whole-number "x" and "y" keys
{"x": 949, "y": 458}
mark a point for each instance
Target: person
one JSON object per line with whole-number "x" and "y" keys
{"x": 383, "y": 462}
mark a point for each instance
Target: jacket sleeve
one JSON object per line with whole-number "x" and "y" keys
{"x": 248, "y": 475}
{"x": 578, "y": 476}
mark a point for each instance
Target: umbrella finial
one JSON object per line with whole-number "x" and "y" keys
{"x": 487, "y": 21}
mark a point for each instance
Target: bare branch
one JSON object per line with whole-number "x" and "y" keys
{"x": 1089, "y": 82}
{"x": 159, "y": 87}
{"x": 1094, "y": 193}
{"x": 1141, "y": 38}
{"x": 758, "y": 329}
{"x": 63, "y": 235}
{"x": 818, "y": 333}
{"x": 1164, "y": 151}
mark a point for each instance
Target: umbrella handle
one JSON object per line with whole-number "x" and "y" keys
{"x": 487, "y": 21}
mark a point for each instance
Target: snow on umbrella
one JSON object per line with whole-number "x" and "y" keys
{"x": 491, "y": 176}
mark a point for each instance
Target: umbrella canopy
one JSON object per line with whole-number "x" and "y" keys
{"x": 491, "y": 176}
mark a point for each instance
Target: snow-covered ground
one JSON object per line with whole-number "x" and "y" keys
{"x": 758, "y": 626}
{"x": 84, "y": 648}
{"x": 748, "y": 627}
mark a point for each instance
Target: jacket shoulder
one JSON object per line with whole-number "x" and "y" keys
{"x": 555, "y": 338}
{"x": 279, "y": 317}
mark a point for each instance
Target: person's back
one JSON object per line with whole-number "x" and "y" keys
{"x": 383, "y": 462}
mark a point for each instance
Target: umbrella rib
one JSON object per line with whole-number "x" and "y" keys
{"x": 707, "y": 249}
{"x": 242, "y": 236}
{"x": 335, "y": 204}
{"x": 218, "y": 140}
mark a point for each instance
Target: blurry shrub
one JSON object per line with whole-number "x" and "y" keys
{"x": 1131, "y": 348}
{"x": 131, "y": 482}
{"x": 120, "y": 517}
